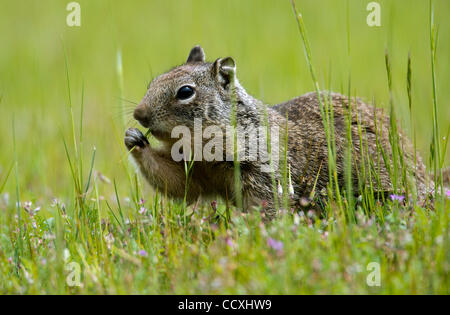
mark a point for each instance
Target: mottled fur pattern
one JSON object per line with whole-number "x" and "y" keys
{"x": 307, "y": 156}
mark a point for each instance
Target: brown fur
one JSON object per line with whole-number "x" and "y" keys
{"x": 160, "y": 111}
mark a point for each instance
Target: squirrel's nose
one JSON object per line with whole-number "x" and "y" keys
{"x": 141, "y": 114}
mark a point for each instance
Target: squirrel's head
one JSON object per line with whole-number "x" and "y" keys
{"x": 196, "y": 89}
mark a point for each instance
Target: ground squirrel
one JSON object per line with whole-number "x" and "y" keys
{"x": 207, "y": 92}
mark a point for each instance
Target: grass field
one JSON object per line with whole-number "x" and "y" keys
{"x": 75, "y": 216}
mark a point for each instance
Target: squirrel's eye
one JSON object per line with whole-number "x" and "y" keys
{"x": 185, "y": 92}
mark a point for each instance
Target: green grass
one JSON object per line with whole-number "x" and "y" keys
{"x": 66, "y": 96}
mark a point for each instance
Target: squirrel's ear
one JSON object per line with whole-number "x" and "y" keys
{"x": 224, "y": 70}
{"x": 196, "y": 55}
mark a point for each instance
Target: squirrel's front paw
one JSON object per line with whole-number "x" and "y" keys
{"x": 135, "y": 139}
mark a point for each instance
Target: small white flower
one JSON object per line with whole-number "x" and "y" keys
{"x": 66, "y": 254}
{"x": 54, "y": 203}
{"x": 291, "y": 190}
{"x": 296, "y": 219}
{"x": 280, "y": 189}
{"x": 6, "y": 198}
{"x": 109, "y": 240}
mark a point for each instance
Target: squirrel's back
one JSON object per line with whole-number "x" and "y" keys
{"x": 307, "y": 140}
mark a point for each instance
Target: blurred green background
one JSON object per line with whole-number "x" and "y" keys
{"x": 154, "y": 36}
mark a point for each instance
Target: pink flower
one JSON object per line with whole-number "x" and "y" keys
{"x": 398, "y": 198}
{"x": 276, "y": 245}
{"x": 143, "y": 253}
{"x": 229, "y": 241}
{"x": 142, "y": 210}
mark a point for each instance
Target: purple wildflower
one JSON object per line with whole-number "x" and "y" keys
{"x": 27, "y": 205}
{"x": 143, "y": 253}
{"x": 141, "y": 202}
{"x": 447, "y": 193}
{"x": 33, "y": 212}
{"x": 142, "y": 210}
{"x": 398, "y": 198}
{"x": 274, "y": 244}
{"x": 229, "y": 241}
